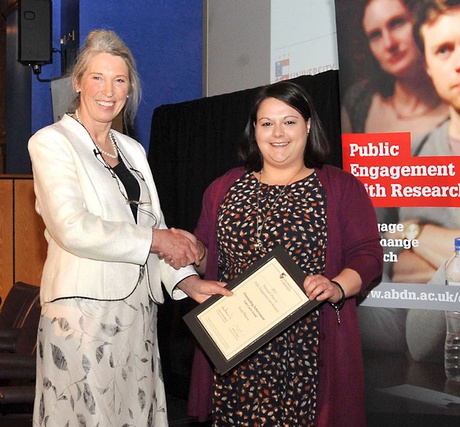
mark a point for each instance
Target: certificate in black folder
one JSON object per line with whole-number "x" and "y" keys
{"x": 267, "y": 298}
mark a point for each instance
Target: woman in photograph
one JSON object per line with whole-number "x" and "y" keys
{"x": 394, "y": 93}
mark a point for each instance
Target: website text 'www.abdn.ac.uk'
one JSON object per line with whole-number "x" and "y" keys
{"x": 413, "y": 296}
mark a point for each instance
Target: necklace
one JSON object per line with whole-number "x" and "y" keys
{"x": 111, "y": 136}
{"x": 261, "y": 222}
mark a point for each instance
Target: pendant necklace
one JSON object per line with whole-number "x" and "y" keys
{"x": 261, "y": 222}
{"x": 111, "y": 136}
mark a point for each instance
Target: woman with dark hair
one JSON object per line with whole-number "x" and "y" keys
{"x": 394, "y": 93}
{"x": 311, "y": 374}
{"x": 315, "y": 153}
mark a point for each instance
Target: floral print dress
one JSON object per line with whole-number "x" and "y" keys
{"x": 276, "y": 386}
{"x": 98, "y": 362}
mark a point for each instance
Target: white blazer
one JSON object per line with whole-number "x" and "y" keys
{"x": 95, "y": 248}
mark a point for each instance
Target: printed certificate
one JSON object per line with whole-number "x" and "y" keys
{"x": 267, "y": 298}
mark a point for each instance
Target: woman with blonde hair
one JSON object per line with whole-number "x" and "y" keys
{"x": 98, "y": 360}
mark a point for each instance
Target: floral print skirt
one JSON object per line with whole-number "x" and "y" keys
{"x": 98, "y": 364}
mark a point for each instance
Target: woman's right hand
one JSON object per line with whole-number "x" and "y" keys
{"x": 177, "y": 247}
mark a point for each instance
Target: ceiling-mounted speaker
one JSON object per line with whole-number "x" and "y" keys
{"x": 35, "y": 32}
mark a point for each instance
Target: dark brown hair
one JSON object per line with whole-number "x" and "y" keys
{"x": 317, "y": 148}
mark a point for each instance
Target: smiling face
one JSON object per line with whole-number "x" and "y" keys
{"x": 442, "y": 55}
{"x": 388, "y": 27}
{"x": 281, "y": 134}
{"x": 103, "y": 88}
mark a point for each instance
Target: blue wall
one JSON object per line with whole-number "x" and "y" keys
{"x": 165, "y": 37}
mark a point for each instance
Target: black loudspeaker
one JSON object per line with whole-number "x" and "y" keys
{"x": 35, "y": 32}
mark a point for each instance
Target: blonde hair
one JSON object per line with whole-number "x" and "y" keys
{"x": 107, "y": 41}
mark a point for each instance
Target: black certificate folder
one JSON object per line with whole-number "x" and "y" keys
{"x": 267, "y": 298}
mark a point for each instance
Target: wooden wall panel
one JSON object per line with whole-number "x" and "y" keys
{"x": 22, "y": 243}
{"x": 6, "y": 236}
{"x": 29, "y": 242}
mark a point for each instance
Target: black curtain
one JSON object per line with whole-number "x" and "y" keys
{"x": 194, "y": 142}
{"x": 191, "y": 144}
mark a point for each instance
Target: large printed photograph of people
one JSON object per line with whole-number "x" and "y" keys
{"x": 400, "y": 72}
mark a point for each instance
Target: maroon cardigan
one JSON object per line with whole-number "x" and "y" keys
{"x": 353, "y": 242}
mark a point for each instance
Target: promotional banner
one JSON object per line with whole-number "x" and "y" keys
{"x": 396, "y": 135}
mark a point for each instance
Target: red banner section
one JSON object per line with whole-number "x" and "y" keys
{"x": 395, "y": 178}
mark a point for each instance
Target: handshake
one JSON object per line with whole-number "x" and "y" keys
{"x": 177, "y": 247}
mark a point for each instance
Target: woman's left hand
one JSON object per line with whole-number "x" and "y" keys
{"x": 200, "y": 290}
{"x": 321, "y": 288}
